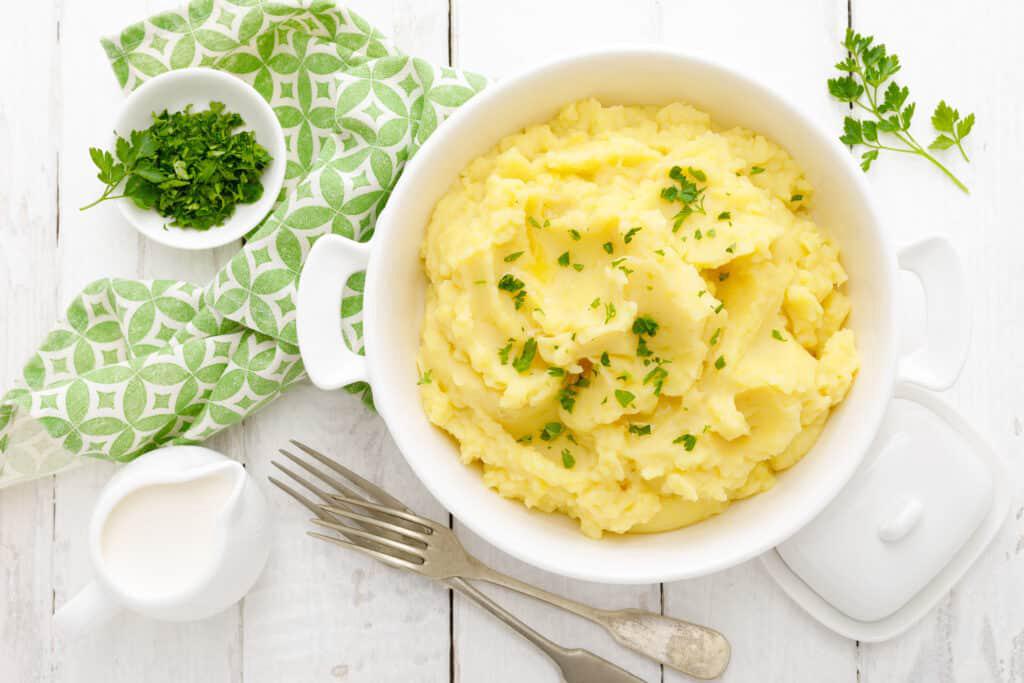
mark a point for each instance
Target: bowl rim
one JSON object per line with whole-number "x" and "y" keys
{"x": 273, "y": 176}
{"x": 809, "y": 507}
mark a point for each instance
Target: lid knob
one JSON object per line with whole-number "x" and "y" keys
{"x": 901, "y": 523}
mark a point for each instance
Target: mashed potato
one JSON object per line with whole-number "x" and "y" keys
{"x": 634, "y": 357}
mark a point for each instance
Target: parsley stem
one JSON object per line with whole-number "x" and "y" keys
{"x": 913, "y": 146}
{"x": 103, "y": 197}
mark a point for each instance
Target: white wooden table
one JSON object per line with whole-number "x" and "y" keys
{"x": 324, "y": 615}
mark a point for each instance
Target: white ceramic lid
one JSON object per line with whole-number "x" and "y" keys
{"x": 928, "y": 499}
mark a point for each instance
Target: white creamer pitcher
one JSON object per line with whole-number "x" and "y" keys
{"x": 179, "y": 534}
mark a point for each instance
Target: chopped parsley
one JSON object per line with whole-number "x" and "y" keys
{"x": 190, "y": 167}
{"x": 551, "y": 431}
{"x": 697, "y": 235}
{"x": 595, "y": 303}
{"x": 724, "y": 216}
{"x": 609, "y": 311}
{"x": 658, "y": 375}
{"x": 720, "y": 363}
{"x": 778, "y": 335}
{"x": 645, "y": 324}
{"x": 629, "y": 235}
{"x": 504, "y": 351}
{"x": 525, "y": 358}
{"x": 640, "y": 430}
{"x": 755, "y": 170}
{"x": 425, "y": 378}
{"x": 624, "y": 397}
{"x": 567, "y": 398}
{"x": 722, "y": 277}
{"x": 608, "y": 247}
{"x": 567, "y": 460}
{"x": 577, "y": 267}
{"x": 556, "y": 372}
{"x": 712, "y": 232}
{"x": 605, "y": 359}
{"x": 575, "y": 234}
{"x": 563, "y": 260}
{"x": 510, "y": 283}
{"x": 533, "y": 222}
{"x": 714, "y": 337}
{"x": 513, "y": 256}
{"x": 686, "y": 193}
{"x": 796, "y": 198}
{"x": 731, "y": 248}
{"x": 689, "y": 441}
{"x": 641, "y": 348}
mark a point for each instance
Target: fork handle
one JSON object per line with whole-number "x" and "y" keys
{"x": 695, "y": 650}
{"x": 576, "y": 666}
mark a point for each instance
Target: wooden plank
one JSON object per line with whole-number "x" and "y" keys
{"x": 320, "y": 613}
{"x": 977, "y": 633}
{"x": 99, "y": 243}
{"x": 790, "y": 47}
{"x": 499, "y": 38}
{"x": 28, "y": 304}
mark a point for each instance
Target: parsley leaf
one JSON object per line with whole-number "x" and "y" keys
{"x": 867, "y": 69}
{"x": 624, "y": 397}
{"x": 645, "y": 324}
{"x": 689, "y": 441}
{"x": 567, "y": 460}
{"x": 513, "y": 256}
{"x": 551, "y": 431}
{"x": 525, "y": 358}
{"x": 640, "y": 430}
{"x": 946, "y": 119}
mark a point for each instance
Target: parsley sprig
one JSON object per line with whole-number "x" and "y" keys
{"x": 685, "y": 192}
{"x": 868, "y": 67}
{"x": 188, "y": 166}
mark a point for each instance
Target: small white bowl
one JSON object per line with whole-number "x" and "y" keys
{"x": 175, "y": 90}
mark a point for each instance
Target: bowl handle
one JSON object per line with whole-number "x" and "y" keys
{"x": 328, "y": 361}
{"x": 937, "y": 364}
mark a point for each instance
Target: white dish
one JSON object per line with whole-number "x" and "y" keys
{"x": 393, "y": 309}
{"x": 175, "y": 90}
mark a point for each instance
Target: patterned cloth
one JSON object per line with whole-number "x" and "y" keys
{"x": 138, "y": 365}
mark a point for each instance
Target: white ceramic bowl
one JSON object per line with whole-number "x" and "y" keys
{"x": 393, "y": 308}
{"x": 175, "y": 90}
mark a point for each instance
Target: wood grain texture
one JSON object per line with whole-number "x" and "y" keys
{"x": 28, "y": 305}
{"x": 977, "y": 633}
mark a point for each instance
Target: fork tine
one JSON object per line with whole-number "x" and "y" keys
{"x": 396, "y": 562}
{"x": 339, "y": 486}
{"x": 319, "y": 492}
{"x": 376, "y": 522}
{"x": 347, "y": 530}
{"x": 306, "y": 502}
{"x": 368, "y": 486}
{"x": 401, "y": 514}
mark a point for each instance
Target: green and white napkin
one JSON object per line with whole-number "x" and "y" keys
{"x": 140, "y": 364}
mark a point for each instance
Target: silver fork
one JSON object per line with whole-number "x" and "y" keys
{"x": 387, "y": 530}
